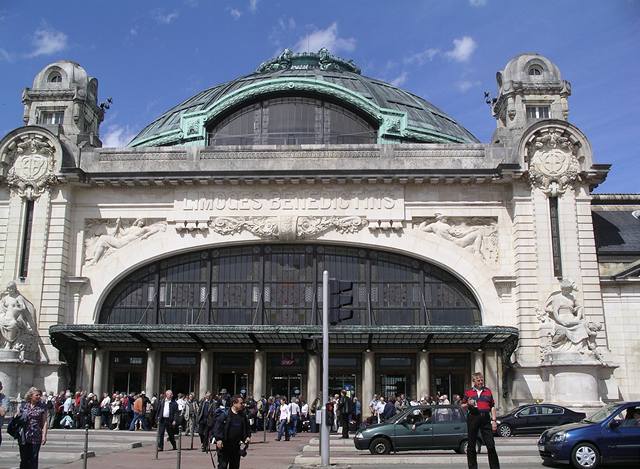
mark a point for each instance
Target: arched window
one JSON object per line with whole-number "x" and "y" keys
{"x": 292, "y": 121}
{"x": 281, "y": 284}
{"x": 535, "y": 70}
{"x": 55, "y": 77}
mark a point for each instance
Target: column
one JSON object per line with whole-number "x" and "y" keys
{"x": 477, "y": 365}
{"x": 313, "y": 373}
{"x": 491, "y": 378}
{"x": 206, "y": 373}
{"x": 368, "y": 381}
{"x": 152, "y": 383}
{"x": 86, "y": 380}
{"x": 99, "y": 372}
{"x": 422, "y": 375}
{"x": 259, "y": 374}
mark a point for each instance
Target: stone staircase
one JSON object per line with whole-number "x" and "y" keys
{"x": 65, "y": 446}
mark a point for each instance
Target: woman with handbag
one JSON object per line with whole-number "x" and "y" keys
{"x": 34, "y": 432}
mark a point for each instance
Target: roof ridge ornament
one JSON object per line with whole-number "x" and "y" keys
{"x": 322, "y": 60}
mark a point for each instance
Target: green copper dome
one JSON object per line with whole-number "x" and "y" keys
{"x": 395, "y": 115}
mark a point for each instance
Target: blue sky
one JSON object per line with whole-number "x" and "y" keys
{"x": 151, "y": 55}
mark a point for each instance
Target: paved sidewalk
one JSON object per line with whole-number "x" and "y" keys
{"x": 270, "y": 455}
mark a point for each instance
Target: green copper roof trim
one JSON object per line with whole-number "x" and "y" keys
{"x": 392, "y": 124}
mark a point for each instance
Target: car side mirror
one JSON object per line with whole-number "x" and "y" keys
{"x": 615, "y": 423}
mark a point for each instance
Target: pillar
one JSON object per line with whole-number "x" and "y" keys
{"x": 259, "y": 374}
{"x": 422, "y": 375}
{"x": 478, "y": 363}
{"x": 100, "y": 366}
{"x": 491, "y": 379}
{"x": 152, "y": 383}
{"x": 86, "y": 379}
{"x": 206, "y": 373}
{"x": 368, "y": 381}
{"x": 313, "y": 373}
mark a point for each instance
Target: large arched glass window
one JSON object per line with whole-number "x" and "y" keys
{"x": 281, "y": 284}
{"x": 292, "y": 121}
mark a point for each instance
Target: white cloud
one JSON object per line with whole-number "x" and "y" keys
{"x": 466, "y": 85}
{"x": 235, "y": 13}
{"x": 4, "y": 55}
{"x": 47, "y": 41}
{"x": 165, "y": 18}
{"x": 400, "y": 79}
{"x": 463, "y": 48}
{"x": 328, "y": 38}
{"x": 117, "y": 136}
{"x": 423, "y": 57}
{"x": 477, "y": 3}
{"x": 253, "y": 5}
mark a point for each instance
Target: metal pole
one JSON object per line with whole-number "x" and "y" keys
{"x": 158, "y": 440}
{"x": 86, "y": 445}
{"x": 324, "y": 428}
{"x": 179, "y": 448}
{"x": 193, "y": 429}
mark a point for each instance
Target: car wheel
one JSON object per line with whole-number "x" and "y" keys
{"x": 505, "y": 431}
{"x": 380, "y": 446}
{"x": 462, "y": 449}
{"x": 585, "y": 456}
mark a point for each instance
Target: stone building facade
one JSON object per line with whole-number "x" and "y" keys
{"x": 192, "y": 258}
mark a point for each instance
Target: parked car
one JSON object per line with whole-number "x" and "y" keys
{"x": 610, "y": 435}
{"x": 535, "y": 418}
{"x": 417, "y": 428}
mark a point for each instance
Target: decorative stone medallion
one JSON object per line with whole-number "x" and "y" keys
{"x": 32, "y": 159}
{"x": 553, "y": 166}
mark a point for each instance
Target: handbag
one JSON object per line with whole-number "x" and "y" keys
{"x": 16, "y": 427}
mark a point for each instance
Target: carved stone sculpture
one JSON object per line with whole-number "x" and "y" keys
{"x": 553, "y": 166}
{"x": 102, "y": 244}
{"x": 32, "y": 160}
{"x": 286, "y": 228}
{"x": 17, "y": 320}
{"x": 473, "y": 234}
{"x": 569, "y": 331}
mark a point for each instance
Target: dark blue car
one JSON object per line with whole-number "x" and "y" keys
{"x": 610, "y": 435}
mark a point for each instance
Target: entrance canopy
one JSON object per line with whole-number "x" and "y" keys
{"x": 164, "y": 336}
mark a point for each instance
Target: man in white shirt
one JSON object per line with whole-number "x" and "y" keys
{"x": 295, "y": 416}
{"x": 284, "y": 420}
{"x": 379, "y": 408}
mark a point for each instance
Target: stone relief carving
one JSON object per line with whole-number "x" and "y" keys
{"x": 102, "y": 239}
{"x": 553, "y": 165}
{"x": 32, "y": 160}
{"x": 17, "y": 322}
{"x": 286, "y": 228}
{"x": 475, "y": 234}
{"x": 564, "y": 327}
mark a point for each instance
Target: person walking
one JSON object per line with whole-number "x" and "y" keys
{"x": 206, "y": 407}
{"x": 357, "y": 412}
{"x": 284, "y": 420}
{"x": 294, "y": 410}
{"x": 345, "y": 406}
{"x": 138, "y": 414}
{"x": 34, "y": 413}
{"x": 166, "y": 416}
{"x": 481, "y": 417}
{"x": 3, "y": 410}
{"x": 231, "y": 430}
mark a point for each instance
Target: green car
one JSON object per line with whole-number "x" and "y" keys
{"x": 417, "y": 428}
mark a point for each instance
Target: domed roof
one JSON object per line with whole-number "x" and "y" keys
{"x": 401, "y": 115}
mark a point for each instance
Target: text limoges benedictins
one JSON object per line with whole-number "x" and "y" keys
{"x": 306, "y": 200}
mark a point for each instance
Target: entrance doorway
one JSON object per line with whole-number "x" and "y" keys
{"x": 180, "y": 373}
{"x": 393, "y": 385}
{"x": 234, "y": 383}
{"x": 339, "y": 382}
{"x": 286, "y": 385}
{"x": 451, "y": 373}
{"x": 127, "y": 372}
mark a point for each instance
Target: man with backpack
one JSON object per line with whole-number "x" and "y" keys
{"x": 231, "y": 431}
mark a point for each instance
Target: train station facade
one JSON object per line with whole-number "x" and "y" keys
{"x": 192, "y": 259}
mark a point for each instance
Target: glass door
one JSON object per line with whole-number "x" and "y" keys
{"x": 451, "y": 374}
{"x": 286, "y": 385}
{"x": 233, "y": 383}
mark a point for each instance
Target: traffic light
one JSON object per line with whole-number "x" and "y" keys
{"x": 340, "y": 300}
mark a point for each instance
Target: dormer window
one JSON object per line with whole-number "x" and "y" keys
{"x": 55, "y": 77}
{"x": 537, "y": 112}
{"x": 535, "y": 70}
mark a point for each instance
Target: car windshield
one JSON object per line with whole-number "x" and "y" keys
{"x": 602, "y": 414}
